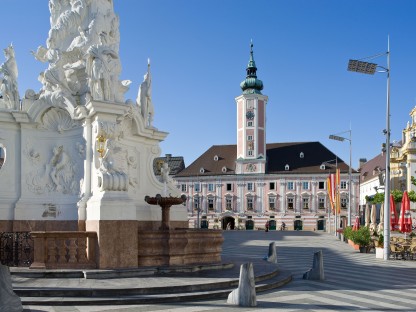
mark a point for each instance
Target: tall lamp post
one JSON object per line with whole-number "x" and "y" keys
{"x": 362, "y": 67}
{"x": 342, "y": 139}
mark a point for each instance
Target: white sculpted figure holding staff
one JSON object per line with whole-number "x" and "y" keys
{"x": 144, "y": 98}
{"x": 8, "y": 84}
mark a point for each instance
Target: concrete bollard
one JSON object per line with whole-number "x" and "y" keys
{"x": 317, "y": 271}
{"x": 272, "y": 256}
{"x": 245, "y": 294}
{"x": 9, "y": 301}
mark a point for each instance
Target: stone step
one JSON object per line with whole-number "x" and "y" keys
{"x": 130, "y": 296}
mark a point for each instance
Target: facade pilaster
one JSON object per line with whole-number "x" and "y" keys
{"x": 218, "y": 193}
{"x": 240, "y": 197}
{"x": 298, "y": 198}
{"x": 282, "y": 195}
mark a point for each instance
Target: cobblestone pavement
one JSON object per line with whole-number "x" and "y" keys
{"x": 353, "y": 281}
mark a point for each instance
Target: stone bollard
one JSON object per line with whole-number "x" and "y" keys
{"x": 9, "y": 301}
{"x": 272, "y": 256}
{"x": 245, "y": 294}
{"x": 317, "y": 271}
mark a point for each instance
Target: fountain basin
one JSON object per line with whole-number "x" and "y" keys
{"x": 179, "y": 247}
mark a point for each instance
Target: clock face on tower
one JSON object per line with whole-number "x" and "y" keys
{"x": 250, "y": 115}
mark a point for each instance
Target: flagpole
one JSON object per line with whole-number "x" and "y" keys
{"x": 335, "y": 199}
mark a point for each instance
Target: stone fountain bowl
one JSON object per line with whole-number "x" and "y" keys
{"x": 165, "y": 201}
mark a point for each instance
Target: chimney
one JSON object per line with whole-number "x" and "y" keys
{"x": 361, "y": 162}
{"x": 168, "y": 156}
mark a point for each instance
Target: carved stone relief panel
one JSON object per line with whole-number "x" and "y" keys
{"x": 53, "y": 170}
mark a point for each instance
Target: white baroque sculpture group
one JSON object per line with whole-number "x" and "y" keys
{"x": 80, "y": 143}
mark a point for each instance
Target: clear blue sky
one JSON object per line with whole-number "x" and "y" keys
{"x": 199, "y": 51}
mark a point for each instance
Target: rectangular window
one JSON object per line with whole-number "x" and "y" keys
{"x": 321, "y": 202}
{"x": 197, "y": 187}
{"x": 229, "y": 187}
{"x": 250, "y": 153}
{"x": 272, "y": 186}
{"x": 249, "y": 138}
{"x": 321, "y": 185}
{"x": 249, "y": 203}
{"x": 343, "y": 202}
{"x": 305, "y": 203}
{"x": 228, "y": 203}
{"x": 250, "y": 186}
{"x": 272, "y": 202}
{"x": 196, "y": 203}
{"x": 343, "y": 185}
{"x": 290, "y": 186}
{"x": 211, "y": 203}
{"x": 305, "y": 185}
{"x": 211, "y": 187}
{"x": 249, "y": 124}
{"x": 290, "y": 203}
{"x": 183, "y": 187}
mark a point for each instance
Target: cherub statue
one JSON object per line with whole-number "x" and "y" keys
{"x": 164, "y": 172}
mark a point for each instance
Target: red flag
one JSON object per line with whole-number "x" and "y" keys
{"x": 337, "y": 187}
{"x": 331, "y": 190}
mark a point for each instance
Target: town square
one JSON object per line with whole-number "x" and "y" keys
{"x": 207, "y": 156}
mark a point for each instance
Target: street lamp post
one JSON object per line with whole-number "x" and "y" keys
{"x": 342, "y": 139}
{"x": 371, "y": 68}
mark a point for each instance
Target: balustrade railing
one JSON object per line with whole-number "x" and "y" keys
{"x": 64, "y": 250}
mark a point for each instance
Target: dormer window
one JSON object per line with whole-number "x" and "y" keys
{"x": 287, "y": 167}
{"x": 216, "y": 158}
{"x": 301, "y": 155}
{"x": 201, "y": 170}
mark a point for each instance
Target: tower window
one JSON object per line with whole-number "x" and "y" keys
{"x": 249, "y": 124}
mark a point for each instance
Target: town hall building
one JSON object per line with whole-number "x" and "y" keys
{"x": 245, "y": 185}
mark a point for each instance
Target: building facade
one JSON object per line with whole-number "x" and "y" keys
{"x": 245, "y": 185}
{"x": 403, "y": 159}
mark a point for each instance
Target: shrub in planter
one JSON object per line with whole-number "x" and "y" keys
{"x": 362, "y": 236}
{"x": 347, "y": 232}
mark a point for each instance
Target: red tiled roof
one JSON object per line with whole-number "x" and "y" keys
{"x": 278, "y": 156}
{"x": 369, "y": 170}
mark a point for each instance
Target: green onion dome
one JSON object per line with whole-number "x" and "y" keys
{"x": 251, "y": 84}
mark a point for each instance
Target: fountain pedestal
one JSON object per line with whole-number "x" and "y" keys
{"x": 168, "y": 246}
{"x": 165, "y": 203}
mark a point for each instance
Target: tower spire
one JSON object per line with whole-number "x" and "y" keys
{"x": 251, "y": 84}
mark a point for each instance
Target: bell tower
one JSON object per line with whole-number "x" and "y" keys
{"x": 251, "y": 123}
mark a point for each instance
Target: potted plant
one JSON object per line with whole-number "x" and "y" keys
{"x": 362, "y": 238}
{"x": 379, "y": 245}
{"x": 348, "y": 236}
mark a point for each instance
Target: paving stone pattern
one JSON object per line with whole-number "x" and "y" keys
{"x": 353, "y": 281}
